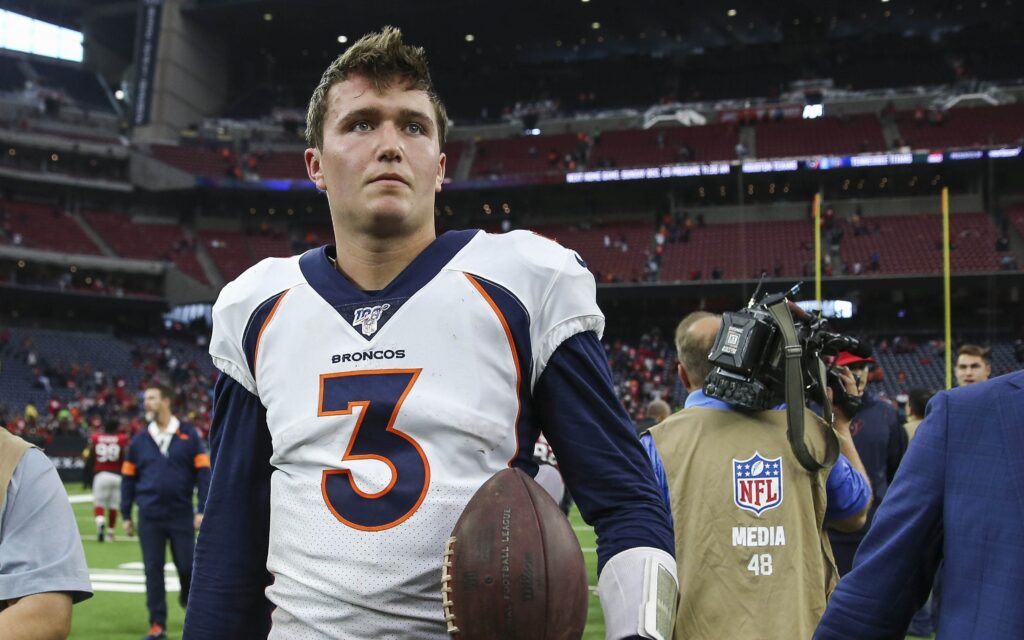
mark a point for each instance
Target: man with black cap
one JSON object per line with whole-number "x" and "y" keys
{"x": 880, "y": 440}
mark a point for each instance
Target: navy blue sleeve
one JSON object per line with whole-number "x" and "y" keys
{"x": 202, "y": 474}
{"x": 846, "y": 491}
{"x": 129, "y": 476}
{"x": 230, "y": 574}
{"x": 898, "y": 441}
{"x": 604, "y": 465}
{"x": 898, "y": 557}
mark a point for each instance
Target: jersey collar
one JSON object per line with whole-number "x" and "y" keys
{"x": 317, "y": 266}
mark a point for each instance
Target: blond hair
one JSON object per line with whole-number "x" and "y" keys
{"x": 384, "y": 59}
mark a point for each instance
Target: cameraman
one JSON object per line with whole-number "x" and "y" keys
{"x": 752, "y": 556}
{"x": 880, "y": 440}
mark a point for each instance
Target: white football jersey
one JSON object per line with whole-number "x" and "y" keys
{"x": 388, "y": 411}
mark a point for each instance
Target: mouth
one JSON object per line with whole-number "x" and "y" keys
{"x": 390, "y": 179}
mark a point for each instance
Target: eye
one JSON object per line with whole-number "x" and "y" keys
{"x": 362, "y": 125}
{"x": 415, "y": 128}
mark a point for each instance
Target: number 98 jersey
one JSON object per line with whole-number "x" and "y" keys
{"x": 387, "y": 410}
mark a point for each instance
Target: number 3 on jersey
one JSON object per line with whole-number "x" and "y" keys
{"x": 379, "y": 394}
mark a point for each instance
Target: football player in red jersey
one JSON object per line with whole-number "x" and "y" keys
{"x": 106, "y": 450}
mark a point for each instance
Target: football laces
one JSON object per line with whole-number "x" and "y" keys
{"x": 446, "y": 587}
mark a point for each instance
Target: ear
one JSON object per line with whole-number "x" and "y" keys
{"x": 682, "y": 376}
{"x": 442, "y": 163}
{"x": 314, "y": 169}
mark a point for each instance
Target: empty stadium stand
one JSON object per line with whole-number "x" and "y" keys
{"x": 1015, "y": 214}
{"x": 525, "y": 155}
{"x": 622, "y": 259}
{"x": 281, "y": 165}
{"x": 233, "y": 252}
{"x": 852, "y": 134}
{"x": 740, "y": 251}
{"x": 44, "y": 226}
{"x": 663, "y": 145}
{"x": 146, "y": 241}
{"x": 965, "y": 127}
{"x": 913, "y": 244}
{"x": 195, "y": 160}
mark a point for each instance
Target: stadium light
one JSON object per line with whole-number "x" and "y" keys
{"x": 812, "y": 111}
{"x": 470, "y": 37}
{"x": 342, "y": 39}
{"x": 119, "y": 94}
{"x": 267, "y": 17}
{"x": 595, "y": 25}
{"x": 731, "y": 13}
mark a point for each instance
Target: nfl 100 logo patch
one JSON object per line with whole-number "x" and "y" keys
{"x": 368, "y": 317}
{"x": 757, "y": 483}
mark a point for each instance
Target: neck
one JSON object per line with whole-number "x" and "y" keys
{"x": 372, "y": 263}
{"x": 163, "y": 421}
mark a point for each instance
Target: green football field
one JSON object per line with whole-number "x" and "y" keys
{"x": 121, "y": 614}
{"x": 118, "y": 609}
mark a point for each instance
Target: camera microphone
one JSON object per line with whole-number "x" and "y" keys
{"x": 849, "y": 344}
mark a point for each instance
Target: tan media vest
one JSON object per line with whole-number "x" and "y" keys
{"x": 745, "y": 575}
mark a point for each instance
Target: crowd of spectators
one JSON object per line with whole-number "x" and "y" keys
{"x": 643, "y": 371}
{"x": 82, "y": 397}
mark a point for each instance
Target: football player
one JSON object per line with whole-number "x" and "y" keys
{"x": 371, "y": 386}
{"x": 106, "y": 453}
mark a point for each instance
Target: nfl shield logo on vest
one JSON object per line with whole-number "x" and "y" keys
{"x": 368, "y": 318}
{"x": 757, "y": 483}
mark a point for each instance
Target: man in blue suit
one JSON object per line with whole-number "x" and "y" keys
{"x": 959, "y": 497}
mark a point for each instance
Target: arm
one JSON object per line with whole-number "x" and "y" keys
{"x": 129, "y": 476}
{"x": 609, "y": 476}
{"x": 647, "y": 440}
{"x": 848, "y": 521}
{"x": 898, "y": 441}
{"x": 901, "y": 551}
{"x": 201, "y": 460}
{"x": 849, "y": 497}
{"x": 41, "y": 616}
{"x": 42, "y": 563}
{"x": 230, "y": 574}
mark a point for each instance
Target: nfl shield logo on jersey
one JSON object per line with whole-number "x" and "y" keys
{"x": 757, "y": 483}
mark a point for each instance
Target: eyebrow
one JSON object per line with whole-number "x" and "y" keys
{"x": 374, "y": 112}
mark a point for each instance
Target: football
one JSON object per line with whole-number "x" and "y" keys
{"x": 513, "y": 568}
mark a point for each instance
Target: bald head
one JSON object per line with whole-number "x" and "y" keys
{"x": 658, "y": 410}
{"x": 695, "y": 336}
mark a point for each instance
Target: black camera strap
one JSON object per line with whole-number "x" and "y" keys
{"x": 793, "y": 353}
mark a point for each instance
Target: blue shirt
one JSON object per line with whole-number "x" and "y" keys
{"x": 40, "y": 548}
{"x": 846, "y": 490}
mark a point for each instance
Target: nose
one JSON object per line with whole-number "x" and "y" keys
{"x": 390, "y": 143}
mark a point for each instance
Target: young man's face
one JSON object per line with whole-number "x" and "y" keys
{"x": 381, "y": 163}
{"x": 971, "y": 369}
